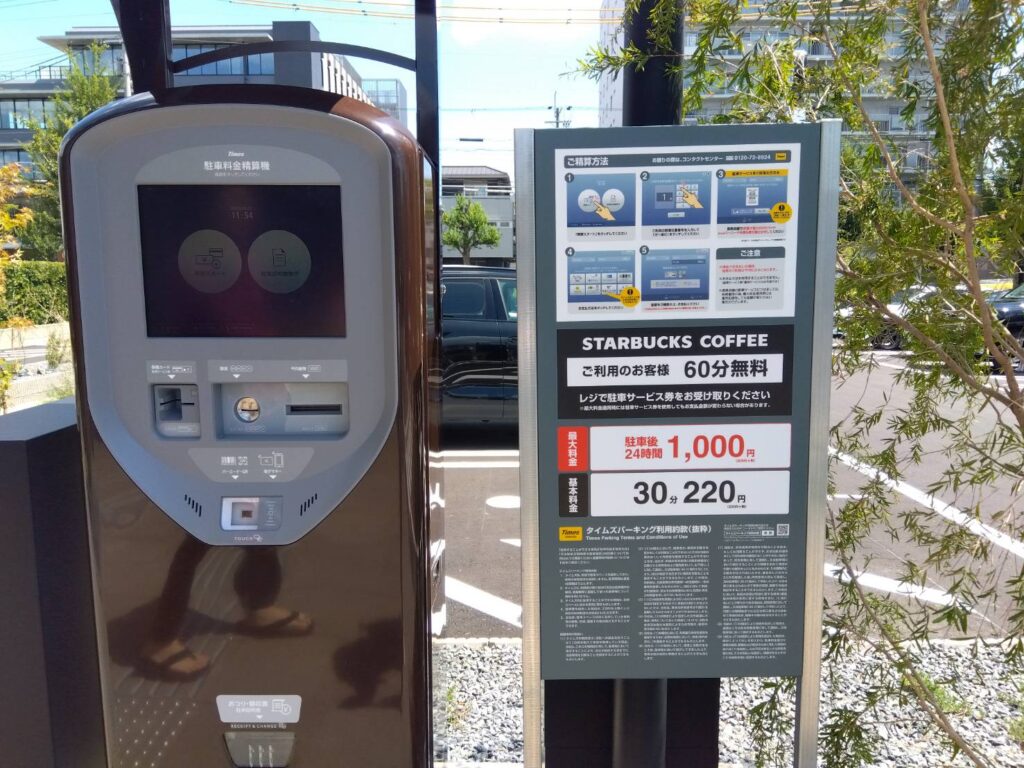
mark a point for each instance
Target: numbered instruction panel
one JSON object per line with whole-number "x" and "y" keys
{"x": 674, "y": 278}
{"x": 677, "y": 232}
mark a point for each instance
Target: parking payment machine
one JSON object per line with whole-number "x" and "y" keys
{"x": 252, "y": 285}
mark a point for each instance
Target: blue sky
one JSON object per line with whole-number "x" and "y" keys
{"x": 494, "y": 76}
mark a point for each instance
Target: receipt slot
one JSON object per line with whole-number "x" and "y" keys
{"x": 252, "y": 284}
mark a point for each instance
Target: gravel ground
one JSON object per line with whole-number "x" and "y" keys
{"x": 478, "y": 695}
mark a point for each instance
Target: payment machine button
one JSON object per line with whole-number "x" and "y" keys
{"x": 260, "y": 748}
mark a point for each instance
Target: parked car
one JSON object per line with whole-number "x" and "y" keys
{"x": 1009, "y": 308}
{"x": 890, "y": 337}
{"x": 479, "y": 354}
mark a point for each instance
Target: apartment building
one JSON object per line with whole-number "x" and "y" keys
{"x": 883, "y": 107}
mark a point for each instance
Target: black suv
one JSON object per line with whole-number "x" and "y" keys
{"x": 479, "y": 357}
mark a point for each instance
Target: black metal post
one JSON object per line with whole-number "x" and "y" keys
{"x": 428, "y": 129}
{"x": 640, "y": 723}
{"x": 146, "y": 31}
{"x": 653, "y": 96}
{"x": 428, "y": 120}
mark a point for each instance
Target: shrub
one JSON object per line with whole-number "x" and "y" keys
{"x": 37, "y": 290}
{"x": 7, "y": 373}
{"x": 56, "y": 350}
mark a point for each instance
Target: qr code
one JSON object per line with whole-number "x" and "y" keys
{"x": 782, "y": 529}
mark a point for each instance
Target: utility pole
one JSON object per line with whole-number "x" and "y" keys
{"x": 558, "y": 122}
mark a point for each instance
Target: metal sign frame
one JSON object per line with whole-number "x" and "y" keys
{"x": 528, "y": 181}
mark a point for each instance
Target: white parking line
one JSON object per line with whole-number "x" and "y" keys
{"x": 885, "y": 584}
{"x": 498, "y": 459}
{"x": 484, "y": 602}
{"x": 938, "y": 506}
{"x": 503, "y": 502}
{"x": 894, "y": 367}
{"x": 512, "y": 542}
{"x": 478, "y": 464}
{"x": 487, "y": 454}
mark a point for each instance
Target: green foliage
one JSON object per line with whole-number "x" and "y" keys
{"x": 771, "y": 722}
{"x": 466, "y": 227}
{"x": 1016, "y": 731}
{"x": 85, "y": 91}
{"x": 8, "y": 369}
{"x": 456, "y": 709}
{"x": 64, "y": 388}
{"x": 56, "y": 350}
{"x": 14, "y": 192}
{"x": 947, "y": 701}
{"x": 36, "y": 290}
{"x": 935, "y": 206}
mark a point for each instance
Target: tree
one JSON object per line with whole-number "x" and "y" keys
{"x": 466, "y": 227}
{"x": 14, "y": 217}
{"x": 937, "y": 212}
{"x": 87, "y": 89}
{"x": 14, "y": 193}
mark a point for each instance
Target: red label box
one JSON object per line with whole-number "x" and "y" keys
{"x": 573, "y": 449}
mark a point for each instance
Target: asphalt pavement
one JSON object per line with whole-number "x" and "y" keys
{"x": 482, "y": 517}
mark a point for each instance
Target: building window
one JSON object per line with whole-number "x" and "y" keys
{"x": 22, "y": 158}
{"x": 260, "y": 64}
{"x": 8, "y": 156}
{"x": 239, "y": 66}
{"x": 21, "y": 114}
{"x": 111, "y": 60}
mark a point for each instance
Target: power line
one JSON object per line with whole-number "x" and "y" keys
{"x": 291, "y": 6}
{"x": 805, "y": 9}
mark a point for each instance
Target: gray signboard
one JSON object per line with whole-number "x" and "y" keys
{"x": 675, "y": 312}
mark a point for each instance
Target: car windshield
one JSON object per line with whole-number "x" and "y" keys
{"x": 1016, "y": 293}
{"x": 510, "y": 296}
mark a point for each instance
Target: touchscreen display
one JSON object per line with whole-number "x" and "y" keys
{"x": 242, "y": 260}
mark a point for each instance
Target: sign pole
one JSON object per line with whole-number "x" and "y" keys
{"x": 651, "y": 96}
{"x": 640, "y": 723}
{"x": 526, "y": 251}
{"x": 809, "y": 682}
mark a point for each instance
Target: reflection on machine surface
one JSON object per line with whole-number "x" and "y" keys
{"x": 257, "y": 583}
{"x": 320, "y": 619}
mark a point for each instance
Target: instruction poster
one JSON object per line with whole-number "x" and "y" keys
{"x": 674, "y": 299}
{"x": 705, "y": 232}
